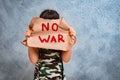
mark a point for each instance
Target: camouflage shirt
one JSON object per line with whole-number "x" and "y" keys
{"x": 49, "y": 65}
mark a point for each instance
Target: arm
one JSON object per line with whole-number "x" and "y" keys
{"x": 33, "y": 54}
{"x": 66, "y": 55}
{"x": 29, "y": 31}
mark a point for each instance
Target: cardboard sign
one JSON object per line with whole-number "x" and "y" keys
{"x": 50, "y": 34}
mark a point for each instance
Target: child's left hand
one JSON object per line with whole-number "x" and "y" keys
{"x": 28, "y": 33}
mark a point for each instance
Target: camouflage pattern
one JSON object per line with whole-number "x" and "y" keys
{"x": 49, "y": 66}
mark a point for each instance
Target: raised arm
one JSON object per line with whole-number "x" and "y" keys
{"x": 29, "y": 31}
{"x": 66, "y": 55}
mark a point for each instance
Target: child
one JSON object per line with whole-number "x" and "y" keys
{"x": 48, "y": 62}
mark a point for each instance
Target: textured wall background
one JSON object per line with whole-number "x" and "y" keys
{"x": 96, "y": 56}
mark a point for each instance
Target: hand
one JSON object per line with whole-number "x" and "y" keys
{"x": 30, "y": 30}
{"x": 28, "y": 33}
{"x": 72, "y": 35}
{"x": 71, "y": 32}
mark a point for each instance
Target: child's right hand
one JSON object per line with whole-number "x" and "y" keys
{"x": 72, "y": 33}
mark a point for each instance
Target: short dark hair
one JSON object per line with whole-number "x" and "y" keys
{"x": 49, "y": 14}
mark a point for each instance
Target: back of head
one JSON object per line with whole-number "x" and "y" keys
{"x": 49, "y": 14}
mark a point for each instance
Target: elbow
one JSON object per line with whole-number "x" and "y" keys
{"x": 66, "y": 56}
{"x": 66, "y": 60}
{"x": 33, "y": 61}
